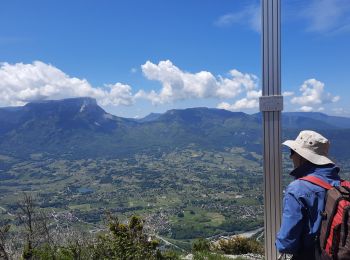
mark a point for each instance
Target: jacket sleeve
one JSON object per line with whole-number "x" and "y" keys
{"x": 289, "y": 238}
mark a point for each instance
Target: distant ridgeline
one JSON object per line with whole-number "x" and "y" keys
{"x": 78, "y": 128}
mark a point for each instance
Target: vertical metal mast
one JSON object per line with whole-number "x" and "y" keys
{"x": 271, "y": 105}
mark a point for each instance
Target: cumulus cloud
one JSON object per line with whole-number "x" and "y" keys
{"x": 313, "y": 94}
{"x": 310, "y": 109}
{"x": 21, "y": 83}
{"x": 244, "y": 103}
{"x": 327, "y": 15}
{"x": 117, "y": 94}
{"x": 288, "y": 93}
{"x": 306, "y": 109}
{"x": 251, "y": 101}
{"x": 250, "y": 16}
{"x": 180, "y": 85}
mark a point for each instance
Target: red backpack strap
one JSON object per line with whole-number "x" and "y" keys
{"x": 317, "y": 181}
{"x": 344, "y": 183}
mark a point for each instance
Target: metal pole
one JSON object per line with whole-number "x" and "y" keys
{"x": 271, "y": 105}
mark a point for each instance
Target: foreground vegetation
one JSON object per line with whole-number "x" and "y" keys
{"x": 34, "y": 237}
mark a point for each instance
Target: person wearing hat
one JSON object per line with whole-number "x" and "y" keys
{"x": 304, "y": 201}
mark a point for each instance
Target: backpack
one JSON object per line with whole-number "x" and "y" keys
{"x": 334, "y": 237}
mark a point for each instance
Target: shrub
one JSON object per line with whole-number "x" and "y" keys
{"x": 200, "y": 245}
{"x": 126, "y": 241}
{"x": 240, "y": 245}
{"x": 171, "y": 255}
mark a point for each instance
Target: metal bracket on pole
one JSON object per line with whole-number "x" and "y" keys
{"x": 271, "y": 103}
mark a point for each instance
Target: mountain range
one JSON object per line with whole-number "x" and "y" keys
{"x": 79, "y": 128}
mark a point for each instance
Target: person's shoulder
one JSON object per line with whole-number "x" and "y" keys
{"x": 295, "y": 186}
{"x": 301, "y": 187}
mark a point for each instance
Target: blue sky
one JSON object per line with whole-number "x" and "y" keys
{"x": 137, "y": 57}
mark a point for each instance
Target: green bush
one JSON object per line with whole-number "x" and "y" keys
{"x": 122, "y": 241}
{"x": 70, "y": 251}
{"x": 200, "y": 245}
{"x": 126, "y": 241}
{"x": 171, "y": 255}
{"x": 240, "y": 245}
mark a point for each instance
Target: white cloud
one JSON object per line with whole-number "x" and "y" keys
{"x": 250, "y": 16}
{"x": 312, "y": 94}
{"x": 327, "y": 15}
{"x": 306, "y": 109}
{"x": 251, "y": 101}
{"x": 253, "y": 94}
{"x": 288, "y": 94}
{"x": 243, "y": 103}
{"x": 117, "y": 94}
{"x": 180, "y": 85}
{"x": 21, "y": 83}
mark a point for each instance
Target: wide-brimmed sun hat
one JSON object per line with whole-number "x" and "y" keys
{"x": 312, "y": 146}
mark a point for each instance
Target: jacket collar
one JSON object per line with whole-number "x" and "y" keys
{"x": 326, "y": 171}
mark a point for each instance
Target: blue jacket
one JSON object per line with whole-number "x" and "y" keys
{"x": 302, "y": 204}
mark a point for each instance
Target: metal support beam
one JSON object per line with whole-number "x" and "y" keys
{"x": 271, "y": 105}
